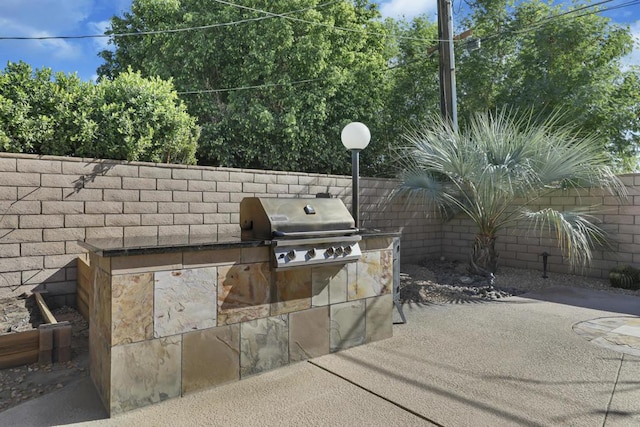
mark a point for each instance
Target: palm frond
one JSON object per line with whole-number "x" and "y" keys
{"x": 502, "y": 160}
{"x": 575, "y": 231}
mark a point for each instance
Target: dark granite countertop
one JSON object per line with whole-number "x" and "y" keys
{"x": 110, "y": 247}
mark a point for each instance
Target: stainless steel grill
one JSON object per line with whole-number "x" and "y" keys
{"x": 302, "y": 232}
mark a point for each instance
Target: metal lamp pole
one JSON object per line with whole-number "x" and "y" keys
{"x": 355, "y": 137}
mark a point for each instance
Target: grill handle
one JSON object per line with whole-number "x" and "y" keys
{"x": 321, "y": 233}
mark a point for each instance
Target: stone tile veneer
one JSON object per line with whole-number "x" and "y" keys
{"x": 211, "y": 317}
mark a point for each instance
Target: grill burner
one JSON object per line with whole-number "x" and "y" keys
{"x": 302, "y": 232}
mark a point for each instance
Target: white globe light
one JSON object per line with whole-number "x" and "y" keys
{"x": 355, "y": 136}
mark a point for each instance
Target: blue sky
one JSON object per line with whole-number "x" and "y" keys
{"x": 81, "y": 17}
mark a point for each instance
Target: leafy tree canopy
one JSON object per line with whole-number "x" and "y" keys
{"x": 127, "y": 118}
{"x": 537, "y": 57}
{"x": 272, "y": 90}
{"x": 317, "y": 66}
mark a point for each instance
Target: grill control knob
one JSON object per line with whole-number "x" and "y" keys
{"x": 291, "y": 254}
{"x": 329, "y": 251}
{"x": 311, "y": 253}
{"x": 339, "y": 250}
{"x": 348, "y": 250}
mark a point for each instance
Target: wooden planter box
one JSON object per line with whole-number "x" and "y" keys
{"x": 51, "y": 342}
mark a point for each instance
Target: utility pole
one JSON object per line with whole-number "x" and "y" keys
{"x": 448, "y": 106}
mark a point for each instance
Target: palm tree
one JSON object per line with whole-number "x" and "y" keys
{"x": 496, "y": 169}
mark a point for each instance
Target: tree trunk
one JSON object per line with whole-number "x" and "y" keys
{"x": 484, "y": 258}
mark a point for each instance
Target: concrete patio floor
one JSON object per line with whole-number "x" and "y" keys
{"x": 517, "y": 361}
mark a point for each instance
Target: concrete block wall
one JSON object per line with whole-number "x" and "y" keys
{"x": 520, "y": 247}
{"x": 48, "y": 203}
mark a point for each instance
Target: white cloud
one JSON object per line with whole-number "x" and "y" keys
{"x": 407, "y": 8}
{"x": 54, "y": 16}
{"x": 44, "y": 18}
{"x": 100, "y": 43}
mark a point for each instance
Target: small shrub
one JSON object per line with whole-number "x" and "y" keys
{"x": 625, "y": 277}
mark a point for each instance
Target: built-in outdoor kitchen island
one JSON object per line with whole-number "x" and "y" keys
{"x": 177, "y": 314}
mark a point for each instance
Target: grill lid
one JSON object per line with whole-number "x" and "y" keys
{"x": 268, "y": 218}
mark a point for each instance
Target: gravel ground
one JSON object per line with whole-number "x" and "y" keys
{"x": 434, "y": 282}
{"x": 442, "y": 282}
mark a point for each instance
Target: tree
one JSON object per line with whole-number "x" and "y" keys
{"x": 43, "y": 114}
{"x": 127, "y": 118}
{"x": 415, "y": 93}
{"x": 539, "y": 57}
{"x": 496, "y": 169}
{"x": 142, "y": 119}
{"x": 270, "y": 90}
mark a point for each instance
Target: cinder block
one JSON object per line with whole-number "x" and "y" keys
{"x": 45, "y": 248}
{"x": 188, "y": 219}
{"x": 104, "y": 207}
{"x": 21, "y": 236}
{"x": 155, "y": 196}
{"x": 172, "y": 184}
{"x": 187, "y": 196}
{"x": 122, "y": 195}
{"x": 229, "y": 187}
{"x": 139, "y": 183}
{"x": 39, "y": 193}
{"x": 83, "y": 220}
{"x": 215, "y": 175}
{"x": 154, "y": 172}
{"x": 104, "y": 232}
{"x": 122, "y": 220}
{"x": 131, "y": 233}
{"x": 217, "y": 218}
{"x": 249, "y": 187}
{"x": 140, "y": 207}
{"x": 287, "y": 179}
{"x": 157, "y": 219}
{"x": 174, "y": 207}
{"x": 9, "y": 250}
{"x": 21, "y": 207}
{"x": 179, "y": 173}
{"x": 211, "y": 197}
{"x": 9, "y": 222}
{"x": 15, "y": 179}
{"x": 102, "y": 182}
{"x": 205, "y": 207}
{"x": 64, "y": 207}
{"x": 81, "y": 194}
{"x": 7, "y": 164}
{"x": 241, "y": 177}
{"x": 41, "y": 221}
{"x": 201, "y": 185}
{"x": 39, "y": 166}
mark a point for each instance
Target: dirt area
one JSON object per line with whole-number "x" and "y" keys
{"x": 20, "y": 384}
{"x": 432, "y": 282}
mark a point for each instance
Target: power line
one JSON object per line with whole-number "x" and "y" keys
{"x": 268, "y": 14}
{"x": 548, "y": 20}
{"x": 167, "y": 31}
{"x": 262, "y": 86}
{"x": 322, "y": 24}
{"x": 539, "y": 24}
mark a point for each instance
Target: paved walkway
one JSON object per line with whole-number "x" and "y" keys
{"x": 513, "y": 362}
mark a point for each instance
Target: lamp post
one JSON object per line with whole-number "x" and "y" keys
{"x": 355, "y": 137}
